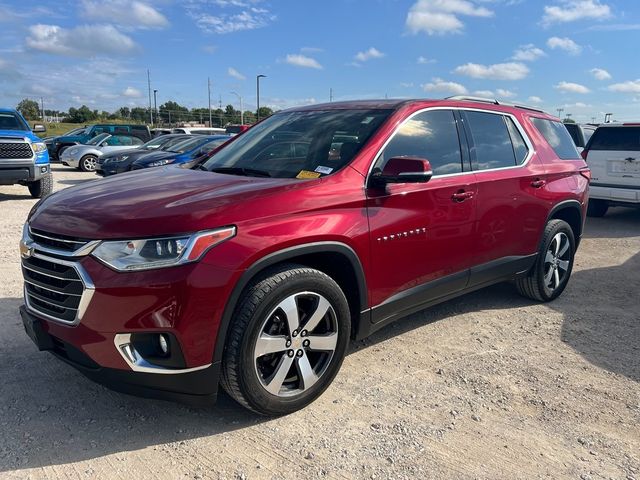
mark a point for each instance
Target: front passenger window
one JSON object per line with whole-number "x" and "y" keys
{"x": 431, "y": 135}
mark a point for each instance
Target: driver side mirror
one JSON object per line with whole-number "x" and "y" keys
{"x": 403, "y": 170}
{"x": 38, "y": 128}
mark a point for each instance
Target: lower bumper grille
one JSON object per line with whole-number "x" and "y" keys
{"x": 56, "y": 289}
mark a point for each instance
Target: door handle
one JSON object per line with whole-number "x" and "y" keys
{"x": 461, "y": 196}
{"x": 537, "y": 183}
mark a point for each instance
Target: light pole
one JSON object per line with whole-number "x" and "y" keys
{"x": 155, "y": 103}
{"x": 209, "y": 88}
{"x": 258, "y": 96}
{"x": 560, "y": 110}
{"x": 241, "y": 107}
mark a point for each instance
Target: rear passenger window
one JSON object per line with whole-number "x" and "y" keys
{"x": 616, "y": 138}
{"x": 490, "y": 141}
{"x": 519, "y": 146}
{"x": 431, "y": 135}
{"x": 556, "y": 134}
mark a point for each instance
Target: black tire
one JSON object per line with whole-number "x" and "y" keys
{"x": 258, "y": 305}
{"x": 534, "y": 285}
{"x": 88, "y": 163}
{"x": 42, "y": 187}
{"x": 597, "y": 208}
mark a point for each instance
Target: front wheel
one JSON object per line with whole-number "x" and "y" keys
{"x": 88, "y": 163}
{"x": 41, "y": 188}
{"x": 550, "y": 274}
{"x": 287, "y": 342}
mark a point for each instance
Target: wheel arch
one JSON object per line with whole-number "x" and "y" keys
{"x": 335, "y": 259}
{"x": 571, "y": 212}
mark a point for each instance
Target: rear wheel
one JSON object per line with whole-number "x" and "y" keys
{"x": 88, "y": 163}
{"x": 597, "y": 208}
{"x": 550, "y": 274}
{"x": 288, "y": 338}
{"x": 42, "y": 187}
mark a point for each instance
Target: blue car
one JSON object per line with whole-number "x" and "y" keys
{"x": 188, "y": 151}
{"x": 24, "y": 159}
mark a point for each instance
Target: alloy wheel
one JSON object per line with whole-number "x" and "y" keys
{"x": 89, "y": 164}
{"x": 296, "y": 343}
{"x": 557, "y": 261}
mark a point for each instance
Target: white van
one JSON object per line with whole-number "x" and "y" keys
{"x": 613, "y": 155}
{"x": 199, "y": 130}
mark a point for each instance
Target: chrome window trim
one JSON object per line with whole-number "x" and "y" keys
{"x": 85, "y": 297}
{"x": 520, "y": 128}
{"x": 122, "y": 342}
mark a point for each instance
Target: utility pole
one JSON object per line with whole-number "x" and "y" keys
{"x": 149, "y": 87}
{"x": 42, "y": 105}
{"x": 258, "y": 77}
{"x": 209, "y": 87}
{"x": 241, "y": 107}
{"x": 220, "y": 108}
{"x": 155, "y": 103}
{"x": 331, "y": 95}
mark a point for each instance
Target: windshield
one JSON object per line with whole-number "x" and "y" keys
{"x": 299, "y": 144}
{"x": 98, "y": 139}
{"x": 76, "y": 131}
{"x": 168, "y": 147}
{"x": 187, "y": 145}
{"x": 155, "y": 143}
{"x": 11, "y": 121}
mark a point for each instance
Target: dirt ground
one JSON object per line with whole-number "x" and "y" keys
{"x": 489, "y": 385}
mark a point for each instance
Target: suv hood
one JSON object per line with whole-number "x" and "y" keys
{"x": 158, "y": 201}
{"x": 19, "y": 134}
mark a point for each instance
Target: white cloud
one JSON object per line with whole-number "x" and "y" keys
{"x": 406, "y": 84}
{"x": 505, "y": 93}
{"x": 439, "y": 17}
{"x": 534, "y": 99}
{"x": 528, "y": 53}
{"x": 302, "y": 61}
{"x": 81, "y": 41}
{"x": 368, "y": 55}
{"x": 131, "y": 92}
{"x": 631, "y": 86}
{"x": 484, "y": 93}
{"x": 232, "y": 72}
{"x": 424, "y": 60}
{"x": 498, "y": 71}
{"x": 249, "y": 19}
{"x": 600, "y": 74}
{"x": 570, "y": 87}
{"x": 439, "y": 85}
{"x": 210, "y": 49}
{"x": 572, "y": 10}
{"x": 565, "y": 44}
{"x": 124, "y": 12}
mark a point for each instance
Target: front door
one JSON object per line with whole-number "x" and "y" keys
{"x": 421, "y": 232}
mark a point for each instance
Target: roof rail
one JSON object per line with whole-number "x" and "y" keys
{"x": 493, "y": 101}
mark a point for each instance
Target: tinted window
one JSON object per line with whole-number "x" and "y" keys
{"x": 10, "y": 121}
{"x": 574, "y": 131}
{"x": 587, "y": 134}
{"x": 616, "y": 138}
{"x": 558, "y": 138}
{"x": 519, "y": 146}
{"x": 490, "y": 141}
{"x": 431, "y": 135}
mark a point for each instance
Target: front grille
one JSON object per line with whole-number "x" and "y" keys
{"x": 53, "y": 289}
{"x": 15, "y": 150}
{"x": 59, "y": 242}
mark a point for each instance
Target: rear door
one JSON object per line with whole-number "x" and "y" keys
{"x": 509, "y": 211}
{"x": 421, "y": 233}
{"x": 614, "y": 158}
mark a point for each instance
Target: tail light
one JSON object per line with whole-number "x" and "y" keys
{"x": 584, "y": 154}
{"x": 586, "y": 173}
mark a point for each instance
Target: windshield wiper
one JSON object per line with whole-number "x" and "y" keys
{"x": 247, "y": 172}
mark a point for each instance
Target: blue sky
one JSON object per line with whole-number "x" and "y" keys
{"x": 573, "y": 54}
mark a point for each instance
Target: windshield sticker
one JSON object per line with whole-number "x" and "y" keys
{"x": 367, "y": 120}
{"x": 308, "y": 174}
{"x": 323, "y": 170}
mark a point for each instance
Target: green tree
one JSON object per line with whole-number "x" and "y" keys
{"x": 29, "y": 109}
{"x": 171, "y": 112}
{"x": 82, "y": 115}
{"x": 265, "y": 112}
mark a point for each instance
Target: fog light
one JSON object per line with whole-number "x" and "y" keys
{"x": 43, "y": 169}
{"x": 164, "y": 344}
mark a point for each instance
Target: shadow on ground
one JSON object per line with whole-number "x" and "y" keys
{"x": 51, "y": 415}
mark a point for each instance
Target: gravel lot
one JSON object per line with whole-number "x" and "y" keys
{"x": 486, "y": 386}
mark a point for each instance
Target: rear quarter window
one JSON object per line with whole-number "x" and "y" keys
{"x": 616, "y": 138}
{"x": 557, "y": 136}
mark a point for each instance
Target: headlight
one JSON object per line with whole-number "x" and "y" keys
{"x": 121, "y": 158}
{"x": 159, "y": 163}
{"x": 128, "y": 255}
{"x": 39, "y": 147}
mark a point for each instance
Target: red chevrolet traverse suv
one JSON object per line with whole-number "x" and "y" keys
{"x": 320, "y": 224}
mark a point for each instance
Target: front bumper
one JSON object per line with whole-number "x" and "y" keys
{"x": 195, "y": 388}
{"x": 20, "y": 171}
{"x": 69, "y": 160}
